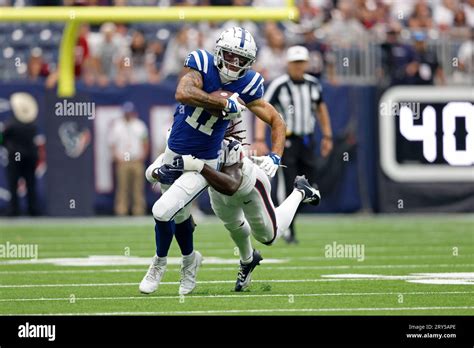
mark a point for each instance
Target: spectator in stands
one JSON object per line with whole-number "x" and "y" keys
{"x": 443, "y": 13}
{"x": 21, "y": 139}
{"x": 459, "y": 18}
{"x": 344, "y": 29}
{"x": 395, "y": 58}
{"x": 271, "y": 61}
{"x": 185, "y": 41}
{"x": 468, "y": 7}
{"x": 129, "y": 146}
{"x": 108, "y": 55}
{"x": 321, "y": 60}
{"x": 139, "y": 63}
{"x": 425, "y": 66}
{"x": 81, "y": 52}
{"x": 421, "y": 17}
{"x": 465, "y": 71}
{"x": 310, "y": 15}
{"x": 37, "y": 67}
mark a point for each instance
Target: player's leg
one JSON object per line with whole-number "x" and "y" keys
{"x": 260, "y": 211}
{"x": 172, "y": 217}
{"x": 290, "y": 159}
{"x": 192, "y": 259}
{"x": 234, "y": 221}
{"x": 267, "y": 223}
{"x": 174, "y": 198}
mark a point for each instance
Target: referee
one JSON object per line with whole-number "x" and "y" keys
{"x": 299, "y": 99}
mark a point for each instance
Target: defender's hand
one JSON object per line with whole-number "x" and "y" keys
{"x": 188, "y": 163}
{"x": 233, "y": 108}
{"x": 269, "y": 164}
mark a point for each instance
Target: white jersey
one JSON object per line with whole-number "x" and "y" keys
{"x": 249, "y": 177}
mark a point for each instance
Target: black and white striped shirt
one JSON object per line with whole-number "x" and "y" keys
{"x": 296, "y": 102}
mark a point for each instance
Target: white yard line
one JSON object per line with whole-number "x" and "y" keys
{"x": 353, "y": 278}
{"x": 269, "y": 310}
{"x": 15, "y": 286}
{"x": 157, "y": 298}
{"x": 216, "y": 269}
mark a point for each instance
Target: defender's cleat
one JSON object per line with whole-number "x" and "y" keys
{"x": 189, "y": 273}
{"x": 153, "y": 277}
{"x": 244, "y": 275}
{"x": 311, "y": 194}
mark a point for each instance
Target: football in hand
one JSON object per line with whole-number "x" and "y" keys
{"x": 224, "y": 95}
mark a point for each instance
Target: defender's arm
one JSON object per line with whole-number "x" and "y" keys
{"x": 189, "y": 92}
{"x": 268, "y": 114}
{"x": 226, "y": 182}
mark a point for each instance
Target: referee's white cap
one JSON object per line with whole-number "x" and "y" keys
{"x": 297, "y": 53}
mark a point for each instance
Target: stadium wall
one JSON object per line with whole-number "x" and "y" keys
{"x": 79, "y": 180}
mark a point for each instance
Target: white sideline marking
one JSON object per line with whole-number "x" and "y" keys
{"x": 144, "y": 297}
{"x": 269, "y": 310}
{"x": 114, "y": 260}
{"x": 131, "y": 270}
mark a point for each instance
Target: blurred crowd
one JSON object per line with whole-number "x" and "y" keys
{"x": 407, "y": 35}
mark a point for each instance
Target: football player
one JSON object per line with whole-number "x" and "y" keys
{"x": 240, "y": 197}
{"x": 197, "y": 132}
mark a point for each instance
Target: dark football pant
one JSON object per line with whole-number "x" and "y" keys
{"x": 22, "y": 169}
{"x": 300, "y": 159}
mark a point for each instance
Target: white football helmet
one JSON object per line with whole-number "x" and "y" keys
{"x": 235, "y": 53}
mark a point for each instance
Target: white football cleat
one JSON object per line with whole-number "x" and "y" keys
{"x": 153, "y": 277}
{"x": 188, "y": 273}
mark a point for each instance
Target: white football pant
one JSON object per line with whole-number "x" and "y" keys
{"x": 174, "y": 203}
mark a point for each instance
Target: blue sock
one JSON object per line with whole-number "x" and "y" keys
{"x": 163, "y": 236}
{"x": 184, "y": 235}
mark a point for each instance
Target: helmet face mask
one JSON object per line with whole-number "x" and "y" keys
{"x": 235, "y": 53}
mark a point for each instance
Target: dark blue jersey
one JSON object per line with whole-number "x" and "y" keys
{"x": 195, "y": 131}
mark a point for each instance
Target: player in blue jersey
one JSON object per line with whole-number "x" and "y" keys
{"x": 197, "y": 132}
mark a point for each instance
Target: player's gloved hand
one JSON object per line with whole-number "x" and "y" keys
{"x": 233, "y": 108}
{"x": 151, "y": 168}
{"x": 188, "y": 163}
{"x": 269, "y": 164}
{"x": 167, "y": 174}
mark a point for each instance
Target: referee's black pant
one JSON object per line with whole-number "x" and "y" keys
{"x": 300, "y": 158}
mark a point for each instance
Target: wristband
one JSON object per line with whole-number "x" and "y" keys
{"x": 193, "y": 164}
{"x": 327, "y": 137}
{"x": 276, "y": 159}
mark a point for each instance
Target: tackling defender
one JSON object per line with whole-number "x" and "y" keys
{"x": 197, "y": 132}
{"x": 240, "y": 198}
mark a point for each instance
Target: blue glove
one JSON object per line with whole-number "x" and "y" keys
{"x": 167, "y": 174}
{"x": 233, "y": 108}
{"x": 276, "y": 159}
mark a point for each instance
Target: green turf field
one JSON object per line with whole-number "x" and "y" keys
{"x": 411, "y": 265}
